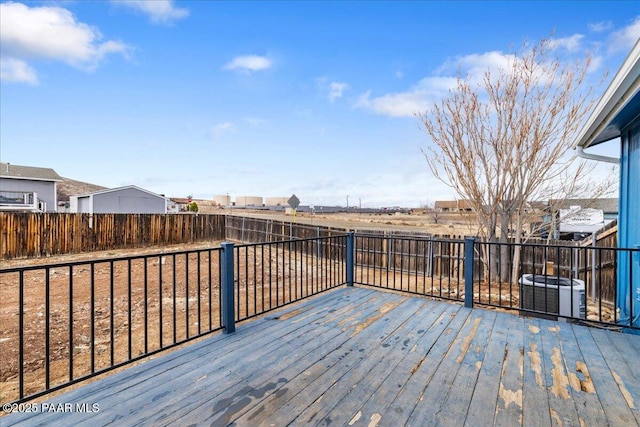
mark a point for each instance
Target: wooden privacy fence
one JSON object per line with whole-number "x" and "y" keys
{"x": 43, "y": 234}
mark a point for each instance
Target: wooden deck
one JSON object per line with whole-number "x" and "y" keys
{"x": 361, "y": 357}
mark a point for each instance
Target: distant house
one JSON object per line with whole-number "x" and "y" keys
{"x": 608, "y": 206}
{"x": 181, "y": 203}
{"x": 28, "y": 188}
{"x": 129, "y": 200}
{"x": 453, "y": 206}
{"x": 617, "y": 115}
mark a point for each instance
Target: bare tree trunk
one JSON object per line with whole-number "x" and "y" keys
{"x": 505, "y": 250}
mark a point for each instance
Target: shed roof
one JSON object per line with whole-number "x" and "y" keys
{"x": 619, "y": 105}
{"x": 126, "y": 187}
{"x": 607, "y": 205}
{"x": 8, "y": 170}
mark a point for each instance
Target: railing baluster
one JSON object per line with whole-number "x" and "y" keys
{"x": 47, "y": 328}
{"x": 130, "y": 342}
{"x": 146, "y": 303}
{"x": 174, "y": 305}
{"x": 21, "y": 332}
{"x": 111, "y": 314}
{"x": 160, "y": 302}
{"x": 186, "y": 296}
{"x": 70, "y": 322}
{"x": 199, "y": 290}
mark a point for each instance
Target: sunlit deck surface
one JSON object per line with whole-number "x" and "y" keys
{"x": 362, "y": 357}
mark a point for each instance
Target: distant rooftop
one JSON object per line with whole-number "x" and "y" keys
{"x": 8, "y": 170}
{"x": 609, "y": 205}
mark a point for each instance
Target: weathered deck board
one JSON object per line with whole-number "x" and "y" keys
{"x": 561, "y": 405}
{"x": 617, "y": 401}
{"x": 180, "y": 363}
{"x": 484, "y": 401}
{"x": 356, "y": 356}
{"x": 329, "y": 366}
{"x": 352, "y": 363}
{"x": 346, "y": 396}
{"x": 452, "y": 408}
{"x": 509, "y": 403}
{"x": 228, "y": 376}
{"x": 535, "y": 398}
{"x": 587, "y": 405}
{"x": 435, "y": 322}
{"x": 411, "y": 391}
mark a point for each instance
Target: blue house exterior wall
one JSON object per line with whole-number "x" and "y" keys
{"x": 628, "y": 299}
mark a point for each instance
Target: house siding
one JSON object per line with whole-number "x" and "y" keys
{"x": 46, "y": 190}
{"x": 629, "y": 228}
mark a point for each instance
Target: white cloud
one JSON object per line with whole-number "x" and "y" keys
{"x": 431, "y": 89}
{"x": 571, "y": 43}
{"x": 17, "y": 71}
{"x": 256, "y": 121}
{"x": 476, "y": 64}
{"x": 336, "y": 89}
{"x": 49, "y": 33}
{"x": 158, "y": 11}
{"x": 599, "y": 27}
{"x": 406, "y": 104}
{"x": 403, "y": 104}
{"x": 248, "y": 63}
{"x": 222, "y": 128}
{"x": 597, "y": 62}
{"x": 625, "y": 38}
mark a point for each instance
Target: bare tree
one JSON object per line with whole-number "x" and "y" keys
{"x": 506, "y": 140}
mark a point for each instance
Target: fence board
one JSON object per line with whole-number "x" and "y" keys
{"x": 33, "y": 235}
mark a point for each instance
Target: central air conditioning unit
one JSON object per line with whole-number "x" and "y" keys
{"x": 552, "y": 296}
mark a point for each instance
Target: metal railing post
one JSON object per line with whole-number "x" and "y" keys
{"x": 227, "y": 291}
{"x": 468, "y": 271}
{"x": 350, "y": 257}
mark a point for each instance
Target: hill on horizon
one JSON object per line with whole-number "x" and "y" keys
{"x": 71, "y": 187}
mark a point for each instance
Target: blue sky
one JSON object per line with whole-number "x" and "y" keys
{"x": 263, "y": 98}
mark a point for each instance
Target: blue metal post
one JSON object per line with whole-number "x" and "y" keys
{"x": 228, "y": 312}
{"x": 468, "y": 271}
{"x": 350, "y": 257}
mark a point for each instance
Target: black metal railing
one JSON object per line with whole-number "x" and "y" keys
{"x": 576, "y": 283}
{"x": 63, "y": 323}
{"x": 271, "y": 275}
{"x": 418, "y": 265}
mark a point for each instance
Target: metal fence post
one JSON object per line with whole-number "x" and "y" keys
{"x": 227, "y": 291}
{"x": 468, "y": 271}
{"x": 350, "y": 257}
